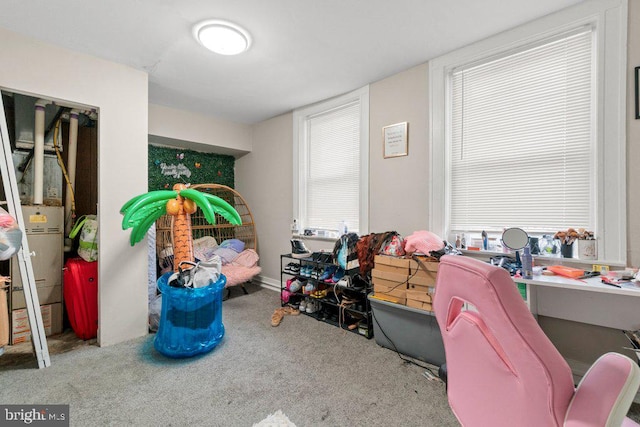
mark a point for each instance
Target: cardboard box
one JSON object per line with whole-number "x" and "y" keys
{"x": 431, "y": 266}
{"x": 389, "y": 298}
{"x": 391, "y": 269}
{"x": 422, "y": 273}
{"x": 392, "y": 261}
{"x": 421, "y": 288}
{"x": 426, "y": 276}
{"x": 4, "y": 318}
{"x": 389, "y": 288}
{"x": 51, "y": 320}
{"x": 389, "y": 283}
{"x": 423, "y": 280}
{"x": 392, "y": 264}
{"x": 420, "y": 305}
{"x": 386, "y": 275}
{"x": 419, "y": 295}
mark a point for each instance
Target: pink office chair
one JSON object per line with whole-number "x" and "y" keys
{"x": 501, "y": 368}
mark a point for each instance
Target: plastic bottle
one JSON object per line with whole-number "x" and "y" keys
{"x": 343, "y": 228}
{"x": 458, "y": 241}
{"x": 463, "y": 242}
{"x": 527, "y": 263}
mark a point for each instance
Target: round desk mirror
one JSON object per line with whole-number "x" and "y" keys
{"x": 515, "y": 238}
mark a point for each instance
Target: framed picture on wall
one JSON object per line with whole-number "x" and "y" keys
{"x": 637, "y": 89}
{"x": 395, "y": 142}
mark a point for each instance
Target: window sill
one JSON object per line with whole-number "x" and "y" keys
{"x": 546, "y": 260}
{"x": 318, "y": 238}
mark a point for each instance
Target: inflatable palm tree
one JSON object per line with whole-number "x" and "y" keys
{"x": 142, "y": 211}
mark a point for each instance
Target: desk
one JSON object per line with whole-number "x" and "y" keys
{"x": 587, "y": 301}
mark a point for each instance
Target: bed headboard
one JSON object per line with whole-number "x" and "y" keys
{"x": 221, "y": 230}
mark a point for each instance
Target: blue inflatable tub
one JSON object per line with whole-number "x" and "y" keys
{"x": 190, "y": 319}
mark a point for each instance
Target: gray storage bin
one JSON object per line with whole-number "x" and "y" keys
{"x": 408, "y": 330}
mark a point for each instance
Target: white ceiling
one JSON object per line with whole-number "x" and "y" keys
{"x": 303, "y": 51}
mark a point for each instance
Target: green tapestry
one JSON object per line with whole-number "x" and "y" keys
{"x": 168, "y": 166}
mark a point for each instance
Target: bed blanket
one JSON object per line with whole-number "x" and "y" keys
{"x": 243, "y": 268}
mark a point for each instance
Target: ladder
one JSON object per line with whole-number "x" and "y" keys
{"x": 38, "y": 337}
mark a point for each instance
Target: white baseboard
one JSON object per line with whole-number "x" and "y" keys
{"x": 578, "y": 369}
{"x": 267, "y": 283}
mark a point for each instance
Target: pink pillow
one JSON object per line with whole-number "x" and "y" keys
{"x": 227, "y": 255}
{"x": 423, "y": 242}
{"x": 247, "y": 258}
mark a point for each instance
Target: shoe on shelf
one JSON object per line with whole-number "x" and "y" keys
{"x": 295, "y": 268}
{"x": 308, "y": 269}
{"x": 322, "y": 256}
{"x": 319, "y": 294}
{"x": 327, "y": 273}
{"x": 339, "y": 274}
{"x": 296, "y": 285}
{"x": 298, "y": 249}
{"x": 303, "y": 306}
{"x": 285, "y": 295}
{"x": 287, "y": 268}
{"x": 287, "y": 286}
{"x": 326, "y": 257}
{"x": 345, "y": 282}
{"x": 311, "y": 307}
{"x": 308, "y": 288}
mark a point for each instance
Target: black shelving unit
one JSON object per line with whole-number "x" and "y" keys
{"x": 333, "y": 308}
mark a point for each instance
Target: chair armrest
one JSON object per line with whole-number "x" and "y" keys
{"x": 605, "y": 393}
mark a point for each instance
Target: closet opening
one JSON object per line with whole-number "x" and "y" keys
{"x": 54, "y": 146}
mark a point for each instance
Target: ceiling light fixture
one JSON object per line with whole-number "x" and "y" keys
{"x": 222, "y": 37}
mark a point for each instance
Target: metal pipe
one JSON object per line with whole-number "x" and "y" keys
{"x": 38, "y": 153}
{"x": 72, "y": 150}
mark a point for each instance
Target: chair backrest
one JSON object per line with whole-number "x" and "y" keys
{"x": 501, "y": 368}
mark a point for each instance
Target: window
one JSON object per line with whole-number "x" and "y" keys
{"x": 331, "y": 163}
{"x": 528, "y": 130}
{"x": 521, "y": 139}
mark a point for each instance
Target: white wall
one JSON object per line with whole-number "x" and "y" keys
{"x": 633, "y": 138}
{"x": 398, "y": 186}
{"x": 264, "y": 177}
{"x": 197, "y": 132}
{"x": 120, "y": 93}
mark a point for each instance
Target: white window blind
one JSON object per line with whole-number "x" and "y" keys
{"x": 333, "y": 168}
{"x": 522, "y": 146}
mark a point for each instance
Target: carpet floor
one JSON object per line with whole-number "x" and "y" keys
{"x": 315, "y": 373}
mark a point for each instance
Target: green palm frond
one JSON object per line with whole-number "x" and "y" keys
{"x": 138, "y": 206}
{"x": 141, "y": 214}
{"x": 140, "y": 230}
{"x": 211, "y": 205}
{"x": 142, "y": 211}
